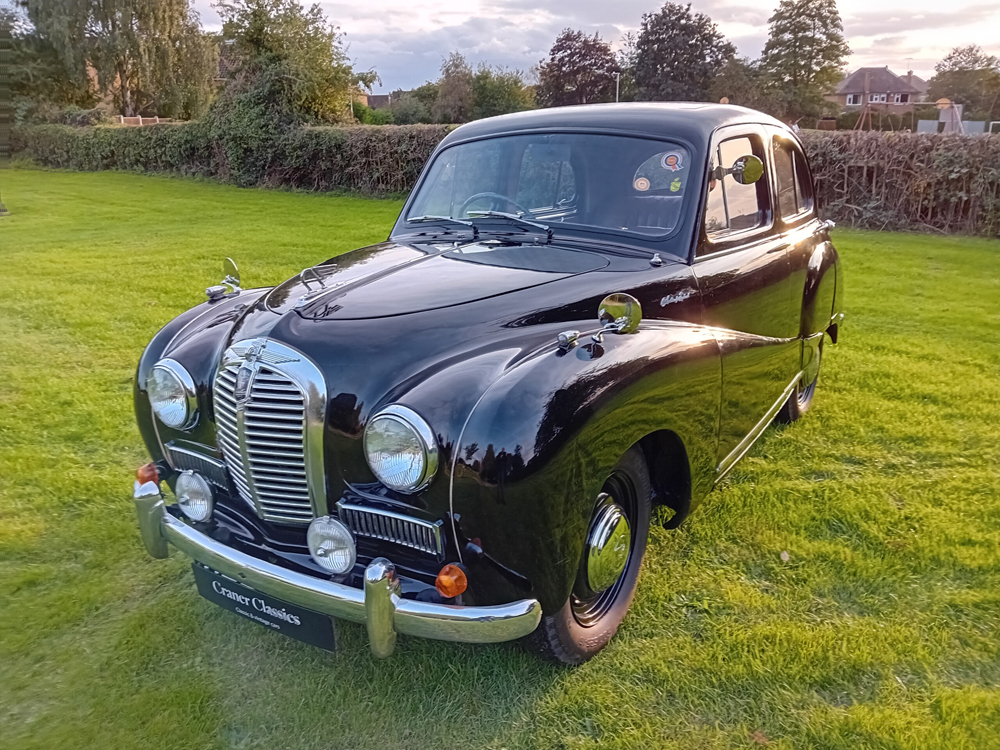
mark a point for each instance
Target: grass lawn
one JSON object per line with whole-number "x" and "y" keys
{"x": 879, "y": 630}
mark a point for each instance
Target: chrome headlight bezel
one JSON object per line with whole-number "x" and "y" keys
{"x": 185, "y": 382}
{"x": 422, "y": 431}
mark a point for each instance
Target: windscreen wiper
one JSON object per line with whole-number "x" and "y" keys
{"x": 514, "y": 217}
{"x": 431, "y": 217}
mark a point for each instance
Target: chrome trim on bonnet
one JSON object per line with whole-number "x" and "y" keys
{"x": 378, "y": 605}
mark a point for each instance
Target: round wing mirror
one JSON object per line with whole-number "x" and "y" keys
{"x": 747, "y": 170}
{"x": 231, "y": 274}
{"x": 620, "y": 313}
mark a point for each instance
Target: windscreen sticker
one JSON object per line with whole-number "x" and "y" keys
{"x": 672, "y": 160}
{"x": 676, "y": 185}
{"x": 641, "y": 184}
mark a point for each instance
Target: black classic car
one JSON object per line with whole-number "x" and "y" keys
{"x": 461, "y": 433}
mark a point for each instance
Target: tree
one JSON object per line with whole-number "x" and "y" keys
{"x": 969, "y": 77}
{"x": 306, "y": 47}
{"x": 37, "y": 73}
{"x": 407, "y": 109}
{"x": 498, "y": 91}
{"x": 742, "y": 82}
{"x": 151, "y": 55}
{"x": 677, "y": 54}
{"x": 627, "y": 57}
{"x": 454, "y": 98}
{"x": 580, "y": 70}
{"x": 804, "y": 55}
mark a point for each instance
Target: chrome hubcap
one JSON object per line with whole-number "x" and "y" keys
{"x": 608, "y": 543}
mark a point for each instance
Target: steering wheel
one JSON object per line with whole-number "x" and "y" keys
{"x": 477, "y": 196}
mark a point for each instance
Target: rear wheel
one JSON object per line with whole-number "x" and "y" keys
{"x": 606, "y": 578}
{"x": 801, "y": 399}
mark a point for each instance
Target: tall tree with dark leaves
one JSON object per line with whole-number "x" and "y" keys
{"x": 678, "y": 54}
{"x": 580, "y": 69}
{"x": 970, "y": 77}
{"x": 151, "y": 55}
{"x": 455, "y": 95}
{"x": 804, "y": 56}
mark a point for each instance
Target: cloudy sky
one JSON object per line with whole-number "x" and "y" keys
{"x": 406, "y": 40}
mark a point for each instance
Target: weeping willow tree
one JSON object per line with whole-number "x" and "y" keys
{"x": 150, "y": 55}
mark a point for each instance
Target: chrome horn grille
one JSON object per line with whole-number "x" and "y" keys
{"x": 270, "y": 404}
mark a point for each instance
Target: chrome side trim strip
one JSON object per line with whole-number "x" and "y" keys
{"x": 747, "y": 443}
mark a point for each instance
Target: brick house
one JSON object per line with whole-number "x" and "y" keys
{"x": 881, "y": 88}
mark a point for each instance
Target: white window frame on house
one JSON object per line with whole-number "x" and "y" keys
{"x": 854, "y": 99}
{"x": 876, "y": 98}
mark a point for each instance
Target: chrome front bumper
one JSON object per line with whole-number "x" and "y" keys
{"x": 378, "y": 605}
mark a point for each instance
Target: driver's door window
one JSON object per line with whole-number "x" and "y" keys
{"x": 732, "y": 207}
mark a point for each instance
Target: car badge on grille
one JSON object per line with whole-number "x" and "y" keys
{"x": 244, "y": 376}
{"x": 242, "y": 391}
{"x": 253, "y": 355}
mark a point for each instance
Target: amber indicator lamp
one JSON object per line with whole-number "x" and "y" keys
{"x": 451, "y": 581}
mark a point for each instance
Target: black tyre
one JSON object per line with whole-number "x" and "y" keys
{"x": 801, "y": 399}
{"x": 589, "y": 618}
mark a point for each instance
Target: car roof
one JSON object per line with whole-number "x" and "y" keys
{"x": 691, "y": 121}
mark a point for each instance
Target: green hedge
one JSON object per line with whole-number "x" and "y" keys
{"x": 375, "y": 160}
{"x": 879, "y": 180}
{"x": 873, "y": 180}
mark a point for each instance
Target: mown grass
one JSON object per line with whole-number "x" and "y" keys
{"x": 878, "y": 631}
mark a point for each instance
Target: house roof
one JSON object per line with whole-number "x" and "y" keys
{"x": 880, "y": 81}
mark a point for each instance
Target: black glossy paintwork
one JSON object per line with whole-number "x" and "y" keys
{"x": 528, "y": 432}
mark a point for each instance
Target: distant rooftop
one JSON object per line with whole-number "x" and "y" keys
{"x": 880, "y": 81}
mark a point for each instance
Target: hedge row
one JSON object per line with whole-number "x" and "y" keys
{"x": 878, "y": 180}
{"x": 375, "y": 160}
{"x": 873, "y": 180}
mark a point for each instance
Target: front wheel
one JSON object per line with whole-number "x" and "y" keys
{"x": 606, "y": 579}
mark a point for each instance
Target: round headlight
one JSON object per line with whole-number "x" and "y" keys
{"x": 172, "y": 394}
{"x": 194, "y": 496}
{"x": 331, "y": 545}
{"x": 401, "y": 449}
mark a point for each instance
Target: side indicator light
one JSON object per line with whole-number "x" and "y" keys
{"x": 451, "y": 581}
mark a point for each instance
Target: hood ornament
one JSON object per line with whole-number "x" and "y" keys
{"x": 254, "y": 354}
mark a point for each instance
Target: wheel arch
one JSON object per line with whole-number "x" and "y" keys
{"x": 542, "y": 440}
{"x": 669, "y": 472}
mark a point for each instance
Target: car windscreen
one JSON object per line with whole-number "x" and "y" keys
{"x": 580, "y": 180}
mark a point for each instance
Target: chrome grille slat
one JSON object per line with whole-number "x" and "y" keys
{"x": 212, "y": 469}
{"x": 392, "y": 527}
{"x": 273, "y": 458}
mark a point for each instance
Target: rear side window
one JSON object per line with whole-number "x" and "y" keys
{"x": 791, "y": 174}
{"x": 732, "y": 207}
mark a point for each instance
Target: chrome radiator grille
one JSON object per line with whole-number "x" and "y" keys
{"x": 269, "y": 438}
{"x": 392, "y": 527}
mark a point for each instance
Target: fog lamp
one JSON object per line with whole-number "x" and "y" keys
{"x": 331, "y": 545}
{"x": 194, "y": 496}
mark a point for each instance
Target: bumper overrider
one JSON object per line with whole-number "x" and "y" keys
{"x": 379, "y": 605}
